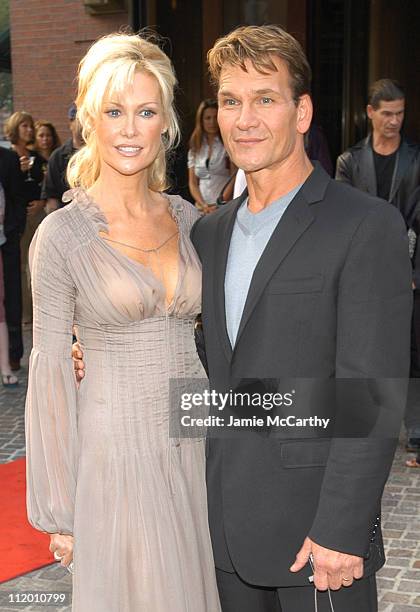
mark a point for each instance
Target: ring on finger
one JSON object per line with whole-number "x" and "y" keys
{"x": 57, "y": 556}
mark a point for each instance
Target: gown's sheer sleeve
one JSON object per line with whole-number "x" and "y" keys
{"x": 50, "y": 416}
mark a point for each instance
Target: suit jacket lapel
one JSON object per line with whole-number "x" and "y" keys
{"x": 403, "y": 161}
{"x": 226, "y": 222}
{"x": 296, "y": 219}
{"x": 367, "y": 169}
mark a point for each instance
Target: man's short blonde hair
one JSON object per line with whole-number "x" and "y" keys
{"x": 259, "y": 44}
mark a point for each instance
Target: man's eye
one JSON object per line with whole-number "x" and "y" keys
{"x": 266, "y": 100}
{"x": 147, "y": 113}
{"x": 113, "y": 112}
{"x": 229, "y": 102}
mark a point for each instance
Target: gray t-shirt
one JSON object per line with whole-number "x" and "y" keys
{"x": 250, "y": 236}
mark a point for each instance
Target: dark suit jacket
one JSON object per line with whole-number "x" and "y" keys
{"x": 414, "y": 203}
{"x": 330, "y": 297}
{"x": 356, "y": 167}
{"x": 12, "y": 180}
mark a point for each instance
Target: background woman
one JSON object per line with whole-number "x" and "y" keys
{"x": 20, "y": 130}
{"x": 102, "y": 465}
{"x": 46, "y": 140}
{"x": 208, "y": 164}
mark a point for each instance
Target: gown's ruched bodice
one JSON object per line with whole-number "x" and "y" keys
{"x": 101, "y": 462}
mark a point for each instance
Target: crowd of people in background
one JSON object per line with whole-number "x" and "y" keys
{"x": 24, "y": 176}
{"x": 33, "y": 143}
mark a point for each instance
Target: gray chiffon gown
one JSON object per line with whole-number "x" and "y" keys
{"x": 101, "y": 464}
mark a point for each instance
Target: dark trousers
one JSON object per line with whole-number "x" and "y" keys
{"x": 236, "y": 595}
{"x": 13, "y": 294}
{"x": 412, "y": 415}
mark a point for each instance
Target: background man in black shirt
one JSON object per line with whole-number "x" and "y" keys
{"x": 384, "y": 164}
{"x": 55, "y": 183}
{"x": 387, "y": 165}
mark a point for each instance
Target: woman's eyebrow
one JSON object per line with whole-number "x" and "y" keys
{"x": 114, "y": 103}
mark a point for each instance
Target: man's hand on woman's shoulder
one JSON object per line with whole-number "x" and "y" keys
{"x": 79, "y": 366}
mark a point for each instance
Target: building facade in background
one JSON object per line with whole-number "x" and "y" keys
{"x": 349, "y": 44}
{"x": 6, "y": 97}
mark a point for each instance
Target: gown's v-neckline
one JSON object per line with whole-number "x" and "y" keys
{"x": 168, "y": 307}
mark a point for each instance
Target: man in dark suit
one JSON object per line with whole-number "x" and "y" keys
{"x": 14, "y": 225}
{"x": 303, "y": 278}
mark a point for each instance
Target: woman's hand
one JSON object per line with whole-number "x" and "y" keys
{"x": 62, "y": 546}
{"x": 24, "y": 163}
{"x": 209, "y": 208}
{"x": 201, "y": 206}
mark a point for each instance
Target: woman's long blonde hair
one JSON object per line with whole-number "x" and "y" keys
{"x": 107, "y": 68}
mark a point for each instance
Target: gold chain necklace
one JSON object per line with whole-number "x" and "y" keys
{"x": 155, "y": 250}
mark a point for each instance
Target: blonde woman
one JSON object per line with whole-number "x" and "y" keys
{"x": 104, "y": 474}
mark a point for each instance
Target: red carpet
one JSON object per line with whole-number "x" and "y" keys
{"x": 22, "y": 548}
